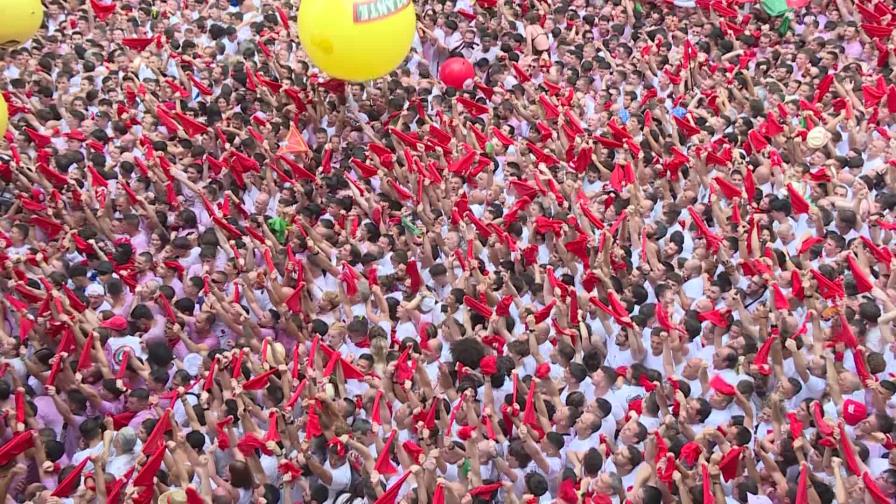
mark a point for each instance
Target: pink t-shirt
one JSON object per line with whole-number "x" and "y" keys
{"x": 139, "y": 418}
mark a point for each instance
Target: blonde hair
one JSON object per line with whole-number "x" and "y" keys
{"x": 330, "y": 297}
{"x": 379, "y": 347}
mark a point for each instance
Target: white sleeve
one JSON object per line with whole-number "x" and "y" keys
{"x": 342, "y": 477}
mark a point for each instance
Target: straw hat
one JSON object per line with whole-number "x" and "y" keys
{"x": 173, "y": 497}
{"x": 818, "y": 137}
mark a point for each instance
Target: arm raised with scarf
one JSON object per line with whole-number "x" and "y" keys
{"x": 833, "y": 383}
{"x": 636, "y": 344}
{"x": 769, "y": 463}
{"x": 534, "y": 450}
{"x": 799, "y": 362}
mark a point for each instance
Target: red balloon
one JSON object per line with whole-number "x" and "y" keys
{"x": 455, "y": 71}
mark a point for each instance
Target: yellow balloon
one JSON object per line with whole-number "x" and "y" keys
{"x": 21, "y": 20}
{"x": 357, "y": 40}
{"x": 4, "y": 116}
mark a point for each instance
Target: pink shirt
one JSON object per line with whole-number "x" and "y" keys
{"x": 47, "y": 414}
{"x": 156, "y": 332}
{"x": 853, "y": 50}
{"x": 138, "y": 419}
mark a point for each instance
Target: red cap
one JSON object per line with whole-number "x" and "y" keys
{"x": 116, "y": 323}
{"x": 854, "y": 412}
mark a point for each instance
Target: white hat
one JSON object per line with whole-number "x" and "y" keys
{"x": 193, "y": 363}
{"x": 94, "y": 290}
{"x": 817, "y": 137}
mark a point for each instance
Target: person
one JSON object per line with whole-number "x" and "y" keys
{"x": 644, "y": 256}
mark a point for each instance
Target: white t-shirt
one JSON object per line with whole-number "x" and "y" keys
{"x": 342, "y": 477}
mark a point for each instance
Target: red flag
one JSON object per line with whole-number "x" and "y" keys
{"x": 294, "y": 142}
{"x": 749, "y": 184}
{"x": 818, "y": 417}
{"x": 475, "y": 108}
{"x": 780, "y": 298}
{"x": 191, "y": 126}
{"x": 798, "y": 204}
{"x": 715, "y": 317}
{"x": 156, "y": 439}
{"x": 877, "y": 31}
{"x": 384, "y": 463}
{"x": 438, "y": 496}
{"x": 802, "y": 488}
{"x": 874, "y": 490}
{"x": 728, "y": 189}
{"x": 478, "y": 306}
{"x": 757, "y": 142}
{"x": 863, "y": 283}
{"x": 17, "y": 445}
{"x": 210, "y": 377}
{"x": 730, "y": 463}
{"x": 707, "y": 485}
{"x": 829, "y": 289}
{"x": 54, "y": 370}
{"x": 71, "y": 481}
{"x": 84, "y": 361}
{"x": 137, "y": 44}
{"x": 849, "y": 454}
{"x": 198, "y": 84}
{"x": 102, "y": 11}
{"x": 521, "y": 74}
{"x": 685, "y": 127}
{"x": 259, "y": 382}
{"x": 414, "y": 275}
{"x": 391, "y": 493}
{"x": 147, "y": 474}
{"x": 721, "y": 386}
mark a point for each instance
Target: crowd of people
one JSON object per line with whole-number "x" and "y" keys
{"x": 644, "y": 256}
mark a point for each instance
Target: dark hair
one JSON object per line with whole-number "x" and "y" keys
{"x": 241, "y": 475}
{"x": 536, "y": 484}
